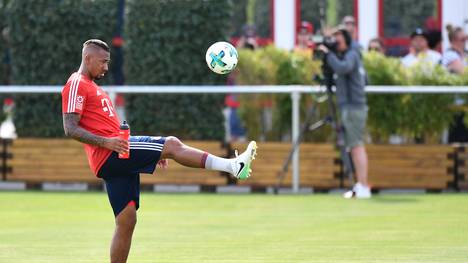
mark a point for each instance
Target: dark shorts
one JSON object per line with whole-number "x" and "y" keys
{"x": 122, "y": 176}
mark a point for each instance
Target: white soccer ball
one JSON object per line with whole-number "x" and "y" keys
{"x": 221, "y": 57}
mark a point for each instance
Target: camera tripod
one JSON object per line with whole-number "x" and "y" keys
{"x": 309, "y": 125}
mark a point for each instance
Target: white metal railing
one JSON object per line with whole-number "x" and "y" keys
{"x": 294, "y": 90}
{"x": 237, "y": 89}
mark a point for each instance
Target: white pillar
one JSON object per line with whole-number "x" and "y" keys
{"x": 285, "y": 23}
{"x": 368, "y": 21}
{"x": 296, "y": 123}
{"x": 454, "y": 12}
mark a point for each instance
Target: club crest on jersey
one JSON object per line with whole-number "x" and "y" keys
{"x": 79, "y": 102}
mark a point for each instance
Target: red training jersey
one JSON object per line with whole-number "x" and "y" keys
{"x": 82, "y": 96}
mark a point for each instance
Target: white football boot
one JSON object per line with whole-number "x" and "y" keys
{"x": 241, "y": 164}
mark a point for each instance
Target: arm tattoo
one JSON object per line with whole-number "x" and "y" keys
{"x": 70, "y": 125}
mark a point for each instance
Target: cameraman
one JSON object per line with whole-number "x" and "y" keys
{"x": 350, "y": 80}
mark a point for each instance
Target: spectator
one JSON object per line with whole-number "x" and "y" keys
{"x": 434, "y": 40}
{"x": 350, "y": 24}
{"x": 455, "y": 59}
{"x": 419, "y": 50}
{"x": 234, "y": 130}
{"x": 377, "y": 45}
{"x": 434, "y": 36}
{"x": 304, "y": 38}
{"x": 248, "y": 38}
{"x": 351, "y": 99}
{"x": 7, "y": 127}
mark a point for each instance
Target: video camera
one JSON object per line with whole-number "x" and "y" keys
{"x": 329, "y": 42}
{"x": 326, "y": 78}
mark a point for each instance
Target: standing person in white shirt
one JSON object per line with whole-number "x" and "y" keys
{"x": 419, "y": 50}
{"x": 455, "y": 58}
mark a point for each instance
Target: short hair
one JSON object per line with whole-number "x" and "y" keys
{"x": 98, "y": 43}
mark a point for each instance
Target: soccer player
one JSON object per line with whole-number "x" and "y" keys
{"x": 89, "y": 117}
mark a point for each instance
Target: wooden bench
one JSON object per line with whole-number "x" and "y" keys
{"x": 410, "y": 166}
{"x": 317, "y": 165}
{"x": 461, "y": 159}
{"x": 49, "y": 160}
{"x": 64, "y": 160}
{"x": 5, "y": 156}
{"x": 180, "y": 175}
{"x": 390, "y": 166}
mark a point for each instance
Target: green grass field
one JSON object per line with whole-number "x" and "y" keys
{"x": 77, "y": 227}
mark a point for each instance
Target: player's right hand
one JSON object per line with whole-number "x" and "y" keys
{"x": 117, "y": 144}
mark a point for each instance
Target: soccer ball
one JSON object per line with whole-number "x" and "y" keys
{"x": 221, "y": 57}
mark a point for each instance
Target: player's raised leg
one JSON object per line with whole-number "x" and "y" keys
{"x": 124, "y": 225}
{"x": 239, "y": 166}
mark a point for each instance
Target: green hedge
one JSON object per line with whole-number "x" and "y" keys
{"x": 416, "y": 115}
{"x": 3, "y": 50}
{"x": 167, "y": 41}
{"x": 273, "y": 66}
{"x": 2, "y": 44}
{"x": 47, "y": 37}
{"x": 166, "y": 45}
